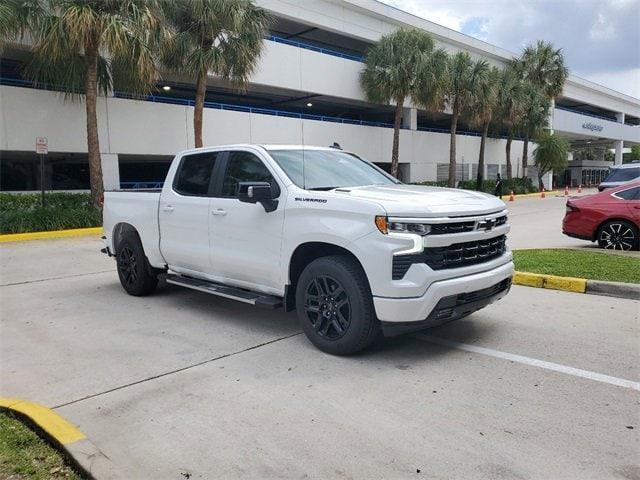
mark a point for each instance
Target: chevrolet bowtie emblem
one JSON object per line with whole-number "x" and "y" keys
{"x": 487, "y": 224}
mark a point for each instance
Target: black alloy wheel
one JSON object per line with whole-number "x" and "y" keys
{"x": 618, "y": 235}
{"x": 327, "y": 307}
{"x": 137, "y": 277}
{"x": 128, "y": 265}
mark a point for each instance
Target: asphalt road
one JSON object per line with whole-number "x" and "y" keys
{"x": 539, "y": 385}
{"x": 537, "y": 222}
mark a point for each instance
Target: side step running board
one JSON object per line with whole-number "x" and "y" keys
{"x": 253, "y": 298}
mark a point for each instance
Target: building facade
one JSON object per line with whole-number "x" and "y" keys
{"x": 305, "y": 91}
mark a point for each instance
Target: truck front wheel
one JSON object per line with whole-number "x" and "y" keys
{"x": 335, "y": 307}
{"x": 134, "y": 271}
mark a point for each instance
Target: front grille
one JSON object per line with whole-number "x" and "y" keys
{"x": 466, "y": 226}
{"x": 451, "y": 256}
{"x": 456, "y": 227}
{"x": 464, "y": 254}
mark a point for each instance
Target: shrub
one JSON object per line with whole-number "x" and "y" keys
{"x": 21, "y": 213}
{"x": 432, "y": 183}
{"x": 518, "y": 185}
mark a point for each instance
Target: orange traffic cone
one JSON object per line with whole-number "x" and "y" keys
{"x": 579, "y": 188}
{"x": 512, "y": 197}
{"x": 542, "y": 194}
{"x": 566, "y": 191}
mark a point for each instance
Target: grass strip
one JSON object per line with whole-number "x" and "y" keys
{"x": 24, "y": 455}
{"x": 579, "y": 264}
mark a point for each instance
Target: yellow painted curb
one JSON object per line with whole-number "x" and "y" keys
{"x": 538, "y": 280}
{"x": 75, "y": 232}
{"x": 45, "y": 418}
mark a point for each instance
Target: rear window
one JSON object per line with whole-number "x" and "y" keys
{"x": 194, "y": 174}
{"x": 629, "y": 194}
{"x": 623, "y": 174}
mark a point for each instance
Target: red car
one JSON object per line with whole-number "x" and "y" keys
{"x": 611, "y": 218}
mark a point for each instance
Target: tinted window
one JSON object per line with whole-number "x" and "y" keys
{"x": 194, "y": 174}
{"x": 623, "y": 174}
{"x": 630, "y": 194}
{"x": 244, "y": 167}
{"x": 327, "y": 169}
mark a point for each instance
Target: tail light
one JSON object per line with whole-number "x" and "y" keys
{"x": 572, "y": 208}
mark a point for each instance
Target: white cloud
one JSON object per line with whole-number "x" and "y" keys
{"x": 602, "y": 29}
{"x": 625, "y": 81}
{"x": 599, "y": 38}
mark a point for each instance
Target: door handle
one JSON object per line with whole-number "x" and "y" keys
{"x": 167, "y": 208}
{"x": 220, "y": 212}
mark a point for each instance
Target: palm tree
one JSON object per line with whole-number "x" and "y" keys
{"x": 391, "y": 72}
{"x": 464, "y": 80}
{"x": 543, "y": 65}
{"x": 535, "y": 116}
{"x": 86, "y": 47}
{"x": 218, "y": 37}
{"x": 550, "y": 155}
{"x": 482, "y": 112}
{"x": 510, "y": 107}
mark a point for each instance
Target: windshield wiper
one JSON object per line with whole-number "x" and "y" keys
{"x": 321, "y": 189}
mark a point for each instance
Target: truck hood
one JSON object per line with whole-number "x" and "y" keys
{"x": 421, "y": 201}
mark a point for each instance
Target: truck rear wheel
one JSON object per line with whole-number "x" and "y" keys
{"x": 335, "y": 306}
{"x": 135, "y": 273}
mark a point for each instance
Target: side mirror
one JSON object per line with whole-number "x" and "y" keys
{"x": 257, "y": 192}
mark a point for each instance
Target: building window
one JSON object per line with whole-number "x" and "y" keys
{"x": 20, "y": 171}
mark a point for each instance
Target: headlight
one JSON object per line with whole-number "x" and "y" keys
{"x": 401, "y": 227}
{"x": 417, "y": 228}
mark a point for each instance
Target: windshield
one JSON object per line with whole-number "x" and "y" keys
{"x": 623, "y": 174}
{"x": 328, "y": 169}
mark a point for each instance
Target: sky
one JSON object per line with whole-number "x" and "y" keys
{"x": 600, "y": 39}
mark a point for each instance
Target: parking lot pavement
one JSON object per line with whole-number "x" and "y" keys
{"x": 537, "y": 223}
{"x": 185, "y": 383}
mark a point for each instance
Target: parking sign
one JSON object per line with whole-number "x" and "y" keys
{"x": 42, "y": 146}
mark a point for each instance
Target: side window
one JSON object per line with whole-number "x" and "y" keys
{"x": 194, "y": 174}
{"x": 244, "y": 167}
{"x": 630, "y": 194}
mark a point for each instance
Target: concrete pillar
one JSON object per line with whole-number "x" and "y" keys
{"x": 619, "y": 145}
{"x": 110, "y": 171}
{"x": 620, "y": 117}
{"x": 410, "y": 118}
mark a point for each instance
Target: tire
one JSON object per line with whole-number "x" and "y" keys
{"x": 340, "y": 323}
{"x": 618, "y": 235}
{"x": 137, "y": 277}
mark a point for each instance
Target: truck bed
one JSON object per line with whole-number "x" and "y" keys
{"x": 138, "y": 208}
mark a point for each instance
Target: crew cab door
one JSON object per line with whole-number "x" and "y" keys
{"x": 183, "y": 214}
{"x": 246, "y": 239}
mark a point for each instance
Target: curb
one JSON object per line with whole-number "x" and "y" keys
{"x": 567, "y": 284}
{"x": 65, "y": 437}
{"x": 614, "y": 289}
{"x": 75, "y": 232}
{"x": 577, "y": 285}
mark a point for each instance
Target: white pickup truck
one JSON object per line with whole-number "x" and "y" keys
{"x": 355, "y": 252}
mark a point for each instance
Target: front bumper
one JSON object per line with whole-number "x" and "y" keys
{"x": 459, "y": 296}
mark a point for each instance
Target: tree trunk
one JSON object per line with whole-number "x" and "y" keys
{"x": 93, "y": 142}
{"x": 525, "y": 156}
{"x": 452, "y": 150}
{"x": 483, "y": 141}
{"x": 508, "y": 152}
{"x": 396, "y": 137}
{"x": 201, "y": 90}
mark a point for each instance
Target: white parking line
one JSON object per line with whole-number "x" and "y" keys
{"x": 556, "y": 367}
